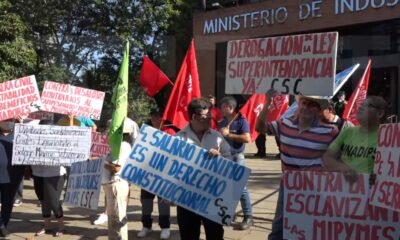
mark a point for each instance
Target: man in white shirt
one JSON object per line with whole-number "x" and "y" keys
{"x": 198, "y": 132}
{"x": 117, "y": 189}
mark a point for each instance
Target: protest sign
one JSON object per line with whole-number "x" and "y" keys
{"x": 100, "y": 146}
{"x": 50, "y": 145}
{"x": 19, "y": 97}
{"x": 41, "y": 115}
{"x": 186, "y": 174}
{"x": 84, "y": 183}
{"x": 386, "y": 190}
{"x": 67, "y": 99}
{"x": 322, "y": 205}
{"x": 298, "y": 64}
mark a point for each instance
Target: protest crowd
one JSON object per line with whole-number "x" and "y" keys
{"x": 340, "y": 159}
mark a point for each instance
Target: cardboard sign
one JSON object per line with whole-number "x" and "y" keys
{"x": 41, "y": 115}
{"x": 322, "y": 205}
{"x": 84, "y": 184}
{"x": 50, "y": 145}
{"x": 386, "y": 191}
{"x": 67, "y": 99}
{"x": 185, "y": 174}
{"x": 298, "y": 64}
{"x": 100, "y": 146}
{"x": 19, "y": 97}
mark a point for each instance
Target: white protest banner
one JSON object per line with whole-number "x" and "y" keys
{"x": 100, "y": 146}
{"x": 298, "y": 64}
{"x": 84, "y": 183}
{"x": 50, "y": 145}
{"x": 185, "y": 174}
{"x": 67, "y": 99}
{"x": 322, "y": 205}
{"x": 386, "y": 190}
{"x": 19, "y": 97}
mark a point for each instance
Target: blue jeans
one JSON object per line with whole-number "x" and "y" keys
{"x": 245, "y": 197}
{"x": 277, "y": 223}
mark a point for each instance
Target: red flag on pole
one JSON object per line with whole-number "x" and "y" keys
{"x": 278, "y": 106}
{"x": 251, "y": 110}
{"x": 152, "y": 78}
{"x": 255, "y": 104}
{"x": 187, "y": 87}
{"x": 357, "y": 97}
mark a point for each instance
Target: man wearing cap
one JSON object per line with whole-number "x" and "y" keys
{"x": 303, "y": 140}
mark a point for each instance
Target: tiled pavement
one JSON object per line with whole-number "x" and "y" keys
{"x": 263, "y": 185}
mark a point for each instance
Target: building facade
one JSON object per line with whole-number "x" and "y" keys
{"x": 367, "y": 29}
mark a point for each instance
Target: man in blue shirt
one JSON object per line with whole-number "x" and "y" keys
{"x": 236, "y": 130}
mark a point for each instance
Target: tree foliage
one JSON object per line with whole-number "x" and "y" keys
{"x": 17, "y": 55}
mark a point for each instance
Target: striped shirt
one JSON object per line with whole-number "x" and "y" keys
{"x": 302, "y": 149}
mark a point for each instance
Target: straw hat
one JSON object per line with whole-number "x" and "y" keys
{"x": 322, "y": 102}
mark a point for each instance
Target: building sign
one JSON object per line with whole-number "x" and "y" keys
{"x": 298, "y": 64}
{"x": 302, "y": 11}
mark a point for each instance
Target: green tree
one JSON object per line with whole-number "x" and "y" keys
{"x": 17, "y": 55}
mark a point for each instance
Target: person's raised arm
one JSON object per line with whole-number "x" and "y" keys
{"x": 261, "y": 125}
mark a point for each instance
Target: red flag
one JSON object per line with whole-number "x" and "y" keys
{"x": 251, "y": 110}
{"x": 187, "y": 87}
{"x": 358, "y": 96}
{"x": 255, "y": 104}
{"x": 152, "y": 78}
{"x": 278, "y": 106}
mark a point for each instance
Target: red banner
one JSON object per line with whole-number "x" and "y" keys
{"x": 152, "y": 78}
{"x": 358, "y": 96}
{"x": 100, "y": 146}
{"x": 255, "y": 104}
{"x": 187, "y": 87}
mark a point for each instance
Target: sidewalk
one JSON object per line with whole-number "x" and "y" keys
{"x": 263, "y": 185}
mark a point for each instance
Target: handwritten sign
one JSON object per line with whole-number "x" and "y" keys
{"x": 18, "y": 97}
{"x": 185, "y": 174}
{"x": 84, "y": 184}
{"x": 67, "y": 99}
{"x": 41, "y": 115}
{"x": 50, "y": 145}
{"x": 386, "y": 191}
{"x": 298, "y": 64}
{"x": 100, "y": 146}
{"x": 322, "y": 205}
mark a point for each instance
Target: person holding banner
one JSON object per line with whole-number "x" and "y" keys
{"x": 147, "y": 198}
{"x": 353, "y": 151}
{"x": 48, "y": 183}
{"x": 115, "y": 188}
{"x": 303, "y": 140}
{"x": 198, "y": 132}
{"x": 236, "y": 131}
